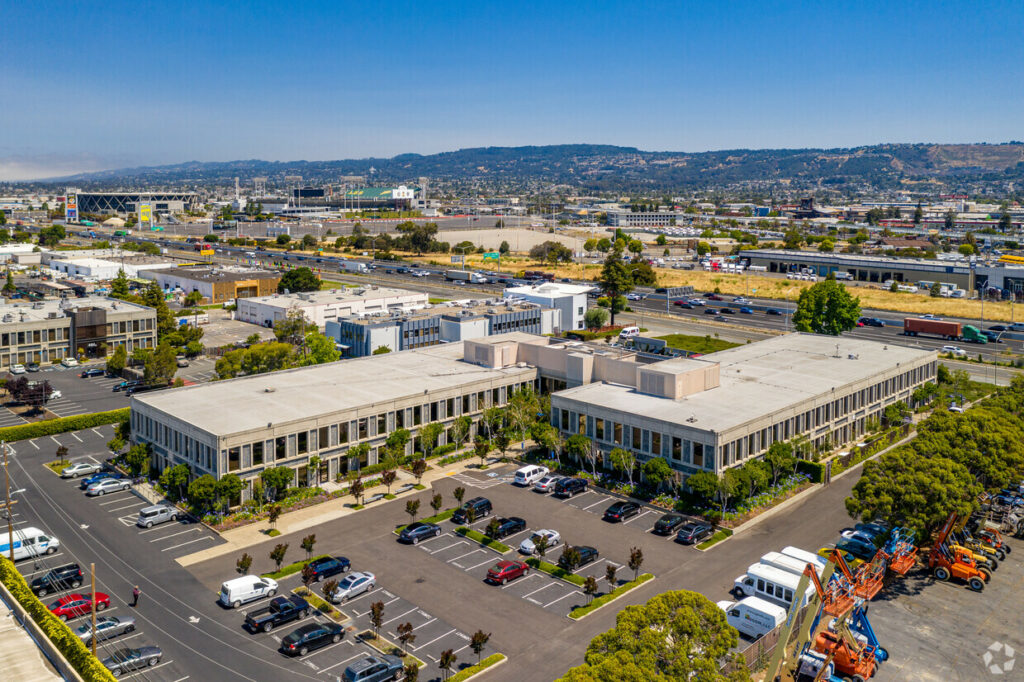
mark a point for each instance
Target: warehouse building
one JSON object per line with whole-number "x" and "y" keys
{"x": 48, "y": 331}
{"x": 100, "y": 268}
{"x": 216, "y": 284}
{"x": 444, "y": 323}
{"x": 319, "y": 307}
{"x": 719, "y": 410}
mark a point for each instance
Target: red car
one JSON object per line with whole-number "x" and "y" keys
{"x": 503, "y": 571}
{"x": 75, "y": 605}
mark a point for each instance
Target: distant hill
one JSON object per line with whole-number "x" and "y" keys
{"x": 606, "y": 167}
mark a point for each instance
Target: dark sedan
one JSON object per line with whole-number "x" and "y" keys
{"x": 327, "y": 566}
{"x": 502, "y": 528}
{"x": 727, "y": 311}
{"x": 711, "y": 311}
{"x": 667, "y": 524}
{"x": 573, "y": 558}
{"x": 126, "y": 660}
{"x": 95, "y": 478}
{"x": 92, "y": 372}
{"x": 417, "y": 531}
{"x": 305, "y": 638}
{"x": 694, "y": 531}
{"x": 773, "y": 311}
{"x": 620, "y": 511}
{"x": 126, "y": 385}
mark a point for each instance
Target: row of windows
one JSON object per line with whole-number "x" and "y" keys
{"x": 654, "y": 443}
{"x": 173, "y": 440}
{"x": 33, "y": 336}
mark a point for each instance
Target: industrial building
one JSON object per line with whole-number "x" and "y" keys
{"x": 443, "y": 323}
{"x": 101, "y": 268}
{"x": 569, "y": 299}
{"x": 319, "y": 307}
{"x": 216, "y": 284}
{"x": 645, "y": 218}
{"x": 48, "y": 331}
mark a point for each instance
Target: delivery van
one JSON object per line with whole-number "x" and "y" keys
{"x": 28, "y": 543}
{"x": 235, "y": 592}
{"x": 753, "y": 616}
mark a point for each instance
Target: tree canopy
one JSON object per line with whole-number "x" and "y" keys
{"x": 616, "y": 279}
{"x": 299, "y": 279}
{"x": 826, "y": 308}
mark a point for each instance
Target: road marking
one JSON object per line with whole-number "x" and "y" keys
{"x": 151, "y": 530}
{"x": 489, "y": 560}
{"x": 520, "y": 580}
{"x": 434, "y": 640}
{"x": 352, "y": 658}
{"x": 127, "y": 506}
{"x": 401, "y": 616}
{"x": 205, "y": 537}
{"x": 120, "y": 499}
{"x": 561, "y": 598}
{"x": 452, "y": 561}
{"x": 455, "y": 544}
{"x": 551, "y": 584}
{"x": 601, "y": 501}
{"x": 427, "y": 623}
{"x": 146, "y": 669}
{"x": 165, "y": 537}
{"x": 360, "y": 615}
{"x": 638, "y": 516}
{"x": 75, "y": 436}
{"x": 33, "y": 443}
{"x": 97, "y": 433}
{"x": 55, "y": 440}
{"x": 367, "y": 594}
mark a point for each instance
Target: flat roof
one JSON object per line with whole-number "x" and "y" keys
{"x": 245, "y": 404}
{"x": 203, "y": 274}
{"x": 758, "y": 379}
{"x": 40, "y": 310}
{"x": 549, "y": 289}
{"x": 327, "y": 296}
{"x": 456, "y": 310}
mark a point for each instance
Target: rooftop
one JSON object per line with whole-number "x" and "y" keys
{"x": 209, "y": 274}
{"x": 549, "y": 289}
{"x": 466, "y": 309}
{"x": 249, "y": 403}
{"x": 52, "y": 308}
{"x": 757, "y": 379}
{"x": 328, "y": 296}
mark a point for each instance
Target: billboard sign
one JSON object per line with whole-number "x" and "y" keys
{"x": 145, "y": 216}
{"x": 71, "y": 208}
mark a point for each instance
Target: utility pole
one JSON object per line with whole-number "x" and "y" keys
{"x": 92, "y": 569}
{"x": 7, "y": 504}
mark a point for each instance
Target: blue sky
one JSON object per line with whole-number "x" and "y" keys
{"x": 90, "y": 85}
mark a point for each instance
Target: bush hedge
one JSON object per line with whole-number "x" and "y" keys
{"x": 467, "y": 673}
{"x": 598, "y": 602}
{"x": 555, "y": 571}
{"x": 62, "y": 425}
{"x": 293, "y": 567}
{"x": 815, "y": 470}
{"x": 77, "y": 654}
{"x": 490, "y": 543}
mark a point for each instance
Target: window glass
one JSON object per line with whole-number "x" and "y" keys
{"x": 322, "y": 438}
{"x": 280, "y": 447}
{"x": 343, "y": 432}
{"x": 382, "y": 424}
{"x": 257, "y": 453}
{"x": 303, "y": 442}
{"x": 362, "y": 428}
{"x": 233, "y": 458}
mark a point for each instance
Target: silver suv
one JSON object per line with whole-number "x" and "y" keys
{"x": 158, "y": 513}
{"x": 374, "y": 669}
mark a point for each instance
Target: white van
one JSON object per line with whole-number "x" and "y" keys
{"x": 629, "y": 332}
{"x": 788, "y": 563}
{"x": 753, "y": 616}
{"x": 805, "y": 557}
{"x": 237, "y": 591}
{"x": 772, "y": 584}
{"x": 530, "y": 474}
{"x": 28, "y": 543}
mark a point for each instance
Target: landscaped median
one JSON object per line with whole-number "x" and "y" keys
{"x": 489, "y": 543}
{"x": 555, "y": 571}
{"x": 320, "y": 605}
{"x": 291, "y": 568}
{"x": 719, "y": 535}
{"x": 51, "y": 427}
{"x": 594, "y": 605}
{"x": 443, "y": 516}
{"x": 72, "y": 648}
{"x": 386, "y": 646}
{"x": 466, "y": 673}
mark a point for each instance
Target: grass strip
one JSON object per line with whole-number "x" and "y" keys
{"x": 487, "y": 542}
{"x": 437, "y": 518}
{"x": 598, "y": 602}
{"x": 472, "y": 670}
{"x": 715, "y": 539}
{"x": 50, "y": 427}
{"x": 292, "y": 568}
{"x": 386, "y": 646}
{"x": 320, "y": 604}
{"x": 555, "y": 571}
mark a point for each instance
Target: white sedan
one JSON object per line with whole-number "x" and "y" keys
{"x": 80, "y": 469}
{"x": 108, "y": 485}
{"x": 353, "y": 585}
{"x": 955, "y": 351}
{"x": 529, "y": 545}
{"x": 17, "y": 369}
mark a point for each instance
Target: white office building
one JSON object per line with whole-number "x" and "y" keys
{"x": 570, "y": 299}
{"x": 321, "y": 307}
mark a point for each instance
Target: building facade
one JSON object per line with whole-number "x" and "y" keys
{"x": 569, "y": 299}
{"x": 320, "y": 307}
{"x": 217, "y": 285}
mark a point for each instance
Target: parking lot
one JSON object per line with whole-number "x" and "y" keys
{"x": 78, "y": 395}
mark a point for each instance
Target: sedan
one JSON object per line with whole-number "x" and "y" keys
{"x": 125, "y": 385}
{"x": 774, "y": 311}
{"x": 584, "y": 555}
{"x": 546, "y": 484}
{"x": 684, "y": 304}
{"x": 747, "y": 311}
{"x": 107, "y": 485}
{"x": 32, "y": 367}
{"x": 694, "y": 531}
{"x": 503, "y": 571}
{"x": 305, "y": 638}
{"x": 529, "y": 545}
{"x": 327, "y": 566}
{"x": 727, "y": 311}
{"x": 710, "y": 311}
{"x": 998, "y": 328}
{"x": 106, "y": 627}
{"x": 353, "y": 585}
{"x": 75, "y": 605}
{"x": 126, "y": 660}
{"x": 80, "y": 469}
{"x": 95, "y": 478}
{"x": 740, "y": 300}
{"x": 634, "y": 297}
{"x": 667, "y": 524}
{"x": 91, "y": 372}
{"x": 620, "y": 511}
{"x": 696, "y": 302}
{"x": 69, "y": 362}
{"x": 417, "y": 531}
{"x": 17, "y": 369}
{"x": 502, "y": 527}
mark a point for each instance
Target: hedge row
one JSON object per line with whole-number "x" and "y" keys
{"x": 597, "y": 603}
{"x": 467, "y": 673}
{"x": 815, "y": 470}
{"x": 555, "y": 571}
{"x": 490, "y": 543}
{"x": 62, "y": 425}
{"x": 77, "y": 654}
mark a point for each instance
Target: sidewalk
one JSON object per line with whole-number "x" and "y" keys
{"x": 238, "y": 539}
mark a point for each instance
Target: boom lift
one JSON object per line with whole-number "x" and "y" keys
{"x": 952, "y": 561}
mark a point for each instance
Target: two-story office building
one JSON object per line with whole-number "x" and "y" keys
{"x": 320, "y": 307}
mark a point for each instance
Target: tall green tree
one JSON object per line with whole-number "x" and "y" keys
{"x": 826, "y": 308}
{"x": 117, "y": 360}
{"x": 298, "y": 279}
{"x": 160, "y": 365}
{"x": 153, "y": 297}
{"x": 429, "y": 434}
{"x": 616, "y": 280}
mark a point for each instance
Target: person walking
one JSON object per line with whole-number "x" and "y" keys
{"x": 135, "y": 596}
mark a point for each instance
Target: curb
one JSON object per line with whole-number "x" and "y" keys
{"x": 612, "y": 601}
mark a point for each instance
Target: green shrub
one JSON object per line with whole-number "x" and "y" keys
{"x": 62, "y": 425}
{"x": 467, "y": 673}
{"x": 78, "y": 655}
{"x": 555, "y": 571}
{"x": 719, "y": 535}
{"x": 294, "y": 567}
{"x": 443, "y": 450}
{"x": 815, "y": 470}
{"x": 482, "y": 539}
{"x": 598, "y": 602}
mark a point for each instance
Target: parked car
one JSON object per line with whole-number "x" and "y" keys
{"x": 325, "y": 567}
{"x": 237, "y": 591}
{"x": 693, "y": 532}
{"x": 529, "y": 545}
{"x": 586, "y": 555}
{"x": 92, "y": 372}
{"x": 481, "y": 507}
{"x": 305, "y": 638}
{"x": 503, "y": 571}
{"x": 156, "y": 514}
{"x": 80, "y": 469}
{"x": 107, "y": 485}
{"x": 529, "y": 474}
{"x": 125, "y": 385}
{"x": 620, "y": 511}
{"x": 75, "y": 605}
{"x": 106, "y": 627}
{"x": 32, "y": 367}
{"x": 546, "y": 484}
{"x": 418, "y": 530}
{"x": 17, "y": 368}
{"x": 58, "y": 580}
{"x": 89, "y": 480}
{"x": 181, "y": 362}
{"x": 858, "y": 548}
{"x": 279, "y": 611}
{"x": 125, "y": 660}
{"x": 567, "y": 487}
{"x": 667, "y": 524}
{"x": 353, "y": 585}
{"x": 69, "y": 362}
{"x": 374, "y": 669}
{"x": 506, "y": 527}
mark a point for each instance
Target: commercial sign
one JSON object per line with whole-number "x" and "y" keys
{"x": 71, "y": 208}
{"x": 492, "y": 255}
{"x": 145, "y": 215}
{"x": 206, "y": 252}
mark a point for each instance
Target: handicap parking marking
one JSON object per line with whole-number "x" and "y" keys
{"x": 128, "y": 521}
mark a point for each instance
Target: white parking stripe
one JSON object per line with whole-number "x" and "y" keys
{"x": 126, "y": 494}
{"x": 75, "y": 436}
{"x": 490, "y": 560}
{"x": 551, "y": 584}
{"x": 601, "y": 501}
{"x": 146, "y": 669}
{"x": 561, "y": 598}
{"x": 434, "y": 640}
{"x": 639, "y": 516}
{"x": 127, "y": 506}
{"x": 361, "y": 654}
{"x": 34, "y": 444}
{"x": 367, "y": 594}
{"x": 427, "y": 623}
{"x": 401, "y": 616}
{"x": 519, "y": 581}
{"x": 97, "y": 433}
{"x": 205, "y": 537}
{"x": 165, "y": 537}
{"x": 455, "y": 544}
{"x": 389, "y": 601}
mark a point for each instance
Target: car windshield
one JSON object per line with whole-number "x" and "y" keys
{"x": 348, "y": 582}
{"x": 498, "y": 568}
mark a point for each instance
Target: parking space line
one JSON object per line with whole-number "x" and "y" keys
{"x": 453, "y": 560}
{"x": 490, "y": 560}
{"x": 546, "y": 586}
{"x": 401, "y": 616}
{"x": 352, "y": 658}
{"x": 205, "y": 537}
{"x": 146, "y": 669}
{"x": 389, "y": 601}
{"x": 120, "y": 499}
{"x": 564, "y": 596}
{"x": 638, "y": 516}
{"x": 460, "y": 542}
{"x": 151, "y": 530}
{"x": 601, "y": 501}
{"x": 367, "y": 594}
{"x": 75, "y": 436}
{"x": 97, "y": 433}
{"x": 165, "y": 537}
{"x": 427, "y": 623}
{"x": 434, "y": 640}
{"x": 128, "y": 506}
{"x": 520, "y": 581}
{"x": 34, "y": 444}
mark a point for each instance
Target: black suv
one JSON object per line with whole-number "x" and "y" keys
{"x": 585, "y": 554}
{"x": 567, "y": 487}
{"x": 63, "y": 578}
{"x": 694, "y": 531}
{"x": 481, "y": 507}
{"x": 506, "y": 527}
{"x": 620, "y": 511}
{"x": 667, "y": 524}
{"x": 327, "y": 566}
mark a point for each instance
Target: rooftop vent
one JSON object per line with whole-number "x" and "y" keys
{"x": 269, "y": 389}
